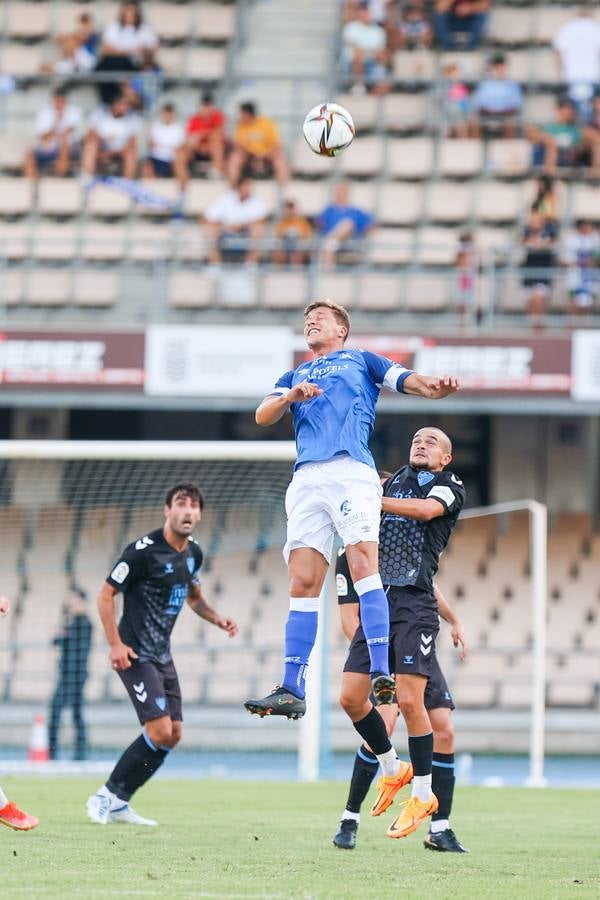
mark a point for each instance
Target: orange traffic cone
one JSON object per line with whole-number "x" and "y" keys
{"x": 37, "y": 751}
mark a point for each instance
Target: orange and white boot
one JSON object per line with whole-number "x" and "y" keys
{"x": 16, "y": 819}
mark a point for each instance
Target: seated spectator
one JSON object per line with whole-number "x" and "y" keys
{"x": 539, "y": 241}
{"x": 77, "y": 48}
{"x": 340, "y": 225}
{"x": 257, "y": 147}
{"x": 364, "y": 53}
{"x": 594, "y": 121}
{"x": 57, "y": 137}
{"x": 206, "y": 135}
{"x": 582, "y": 256}
{"x": 498, "y": 101}
{"x": 577, "y": 44}
{"x": 167, "y": 140}
{"x": 293, "y": 233}
{"x": 455, "y": 104}
{"x": 563, "y": 143}
{"x": 234, "y": 224}
{"x": 128, "y": 45}
{"x": 467, "y": 268}
{"x": 412, "y": 30}
{"x": 380, "y": 10}
{"x": 112, "y": 138}
{"x": 460, "y": 24}
{"x": 547, "y": 199}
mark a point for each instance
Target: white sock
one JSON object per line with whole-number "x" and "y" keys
{"x": 350, "y": 815}
{"x": 439, "y": 825}
{"x": 3, "y": 799}
{"x": 421, "y": 787}
{"x": 390, "y": 764}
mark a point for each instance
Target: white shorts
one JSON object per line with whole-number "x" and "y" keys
{"x": 341, "y": 495}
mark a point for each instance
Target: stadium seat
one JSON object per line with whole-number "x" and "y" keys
{"x": 365, "y": 110}
{"x": 521, "y": 65}
{"x": 414, "y": 66}
{"x": 449, "y": 202}
{"x": 366, "y": 158}
{"x": 285, "y": 290}
{"x": 27, "y": 21}
{"x": 205, "y": 63}
{"x": 187, "y": 240}
{"x": 545, "y": 68}
{"x": 13, "y": 148}
{"x": 391, "y": 246}
{"x": 548, "y": 22}
{"x": 460, "y": 158}
{"x": 14, "y": 240}
{"x": 437, "y": 246}
{"x": 585, "y": 202}
{"x": 268, "y": 192}
{"x": 342, "y": 287}
{"x": 166, "y": 188}
{"x": 471, "y": 63}
{"x": 59, "y": 197}
{"x": 426, "y": 292}
{"x": 47, "y": 287}
{"x": 508, "y": 158}
{"x": 16, "y": 195}
{"x": 400, "y": 204}
{"x": 497, "y": 202}
{"x": 56, "y": 242}
{"x": 539, "y": 109}
{"x": 149, "y": 241}
{"x": 404, "y": 112}
{"x": 190, "y": 290}
{"x": 410, "y": 158}
{"x": 103, "y": 243}
{"x": 199, "y": 194}
{"x": 380, "y": 292}
{"x": 21, "y": 60}
{"x": 363, "y": 194}
{"x": 511, "y": 27}
{"x": 95, "y": 288}
{"x": 312, "y": 197}
{"x": 11, "y": 287}
{"x": 214, "y": 22}
{"x": 107, "y": 202}
{"x": 305, "y": 162}
{"x": 172, "y": 60}
{"x": 171, "y": 21}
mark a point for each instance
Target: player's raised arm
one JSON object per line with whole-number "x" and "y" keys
{"x": 424, "y": 510}
{"x": 197, "y": 602}
{"x": 448, "y": 615}
{"x": 120, "y": 654}
{"x": 275, "y": 405}
{"x": 430, "y": 386}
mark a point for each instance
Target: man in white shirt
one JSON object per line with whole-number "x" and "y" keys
{"x": 112, "y": 136}
{"x": 167, "y": 139}
{"x": 235, "y": 221}
{"x": 578, "y": 46}
{"x": 364, "y": 53}
{"x": 56, "y": 128}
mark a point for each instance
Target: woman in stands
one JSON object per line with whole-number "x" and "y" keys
{"x": 10, "y": 814}
{"x": 128, "y": 45}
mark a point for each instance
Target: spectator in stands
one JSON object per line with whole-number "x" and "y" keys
{"x": 234, "y": 222}
{"x": 257, "y": 147}
{"x": 547, "y": 199}
{"x": 78, "y": 49}
{"x": 467, "y": 267}
{"x": 498, "y": 100}
{"x": 206, "y": 135}
{"x": 112, "y": 138}
{"x": 594, "y": 122}
{"x": 577, "y": 44}
{"x": 74, "y": 642}
{"x": 57, "y": 137}
{"x": 460, "y": 24}
{"x": 380, "y": 10}
{"x": 539, "y": 241}
{"x": 456, "y": 108}
{"x": 293, "y": 233}
{"x": 412, "y": 29}
{"x": 582, "y": 256}
{"x": 563, "y": 143}
{"x": 364, "y": 52}
{"x": 167, "y": 147}
{"x": 128, "y": 45}
{"x": 341, "y": 225}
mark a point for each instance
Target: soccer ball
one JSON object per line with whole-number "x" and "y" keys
{"x": 328, "y": 129}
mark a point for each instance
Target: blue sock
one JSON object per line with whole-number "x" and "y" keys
{"x": 375, "y": 621}
{"x": 300, "y": 635}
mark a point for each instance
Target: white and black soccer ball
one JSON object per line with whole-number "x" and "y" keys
{"x": 328, "y": 129}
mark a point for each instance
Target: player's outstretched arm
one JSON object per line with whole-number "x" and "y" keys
{"x": 424, "y": 510}
{"x": 448, "y": 615}
{"x": 120, "y": 654}
{"x": 197, "y": 602}
{"x": 431, "y": 386}
{"x": 4, "y": 606}
{"x": 275, "y": 406}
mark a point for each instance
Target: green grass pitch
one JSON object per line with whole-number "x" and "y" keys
{"x": 250, "y": 839}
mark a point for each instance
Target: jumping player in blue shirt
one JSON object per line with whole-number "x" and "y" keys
{"x": 335, "y": 488}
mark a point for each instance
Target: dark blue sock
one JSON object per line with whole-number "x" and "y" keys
{"x": 375, "y": 621}
{"x": 300, "y": 635}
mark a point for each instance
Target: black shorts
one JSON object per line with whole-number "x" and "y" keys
{"x": 154, "y": 689}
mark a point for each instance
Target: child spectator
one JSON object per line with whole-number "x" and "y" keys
{"x": 57, "y": 138}
{"x": 167, "y": 139}
{"x": 455, "y": 102}
{"x": 293, "y": 233}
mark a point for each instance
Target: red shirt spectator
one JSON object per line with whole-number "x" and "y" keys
{"x": 205, "y": 132}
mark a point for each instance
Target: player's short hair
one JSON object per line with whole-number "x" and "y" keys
{"x": 188, "y": 489}
{"x": 341, "y": 314}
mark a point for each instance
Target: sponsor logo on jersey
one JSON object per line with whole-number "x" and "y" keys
{"x": 176, "y": 599}
{"x": 341, "y": 583}
{"x": 143, "y": 543}
{"x": 120, "y": 572}
{"x": 191, "y": 564}
{"x": 161, "y": 702}
{"x": 169, "y": 569}
{"x": 345, "y": 507}
{"x": 425, "y": 478}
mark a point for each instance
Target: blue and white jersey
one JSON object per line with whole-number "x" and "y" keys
{"x": 340, "y": 420}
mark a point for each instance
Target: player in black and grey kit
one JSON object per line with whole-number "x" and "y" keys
{"x": 156, "y": 574}
{"x": 420, "y": 506}
{"x": 439, "y": 705}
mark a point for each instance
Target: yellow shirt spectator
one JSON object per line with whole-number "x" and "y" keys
{"x": 258, "y": 137}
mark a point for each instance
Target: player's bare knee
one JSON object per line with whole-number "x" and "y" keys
{"x": 443, "y": 738}
{"x": 409, "y": 705}
{"x": 160, "y": 733}
{"x": 352, "y": 705}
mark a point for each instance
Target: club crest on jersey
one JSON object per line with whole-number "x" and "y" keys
{"x": 345, "y": 507}
{"x": 425, "y": 478}
{"x": 169, "y": 569}
{"x": 191, "y": 563}
{"x": 161, "y": 702}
